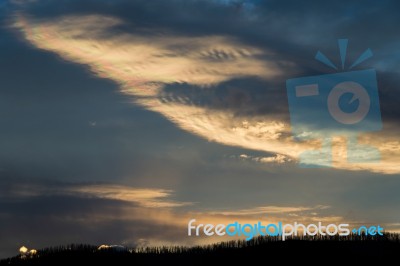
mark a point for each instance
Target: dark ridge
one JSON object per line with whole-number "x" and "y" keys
{"x": 311, "y": 250}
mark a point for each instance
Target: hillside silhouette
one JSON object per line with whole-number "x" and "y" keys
{"x": 311, "y": 250}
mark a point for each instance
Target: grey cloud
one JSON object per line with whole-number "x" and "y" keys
{"x": 246, "y": 96}
{"x": 48, "y": 107}
{"x": 50, "y": 216}
{"x": 74, "y": 127}
{"x": 275, "y": 25}
{"x": 45, "y": 221}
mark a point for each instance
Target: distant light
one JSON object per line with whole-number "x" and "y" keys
{"x": 23, "y": 250}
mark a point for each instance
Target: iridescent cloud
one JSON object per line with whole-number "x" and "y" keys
{"x": 143, "y": 64}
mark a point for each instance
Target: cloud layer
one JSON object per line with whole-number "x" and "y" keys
{"x": 146, "y": 64}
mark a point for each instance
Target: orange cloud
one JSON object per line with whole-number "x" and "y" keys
{"x": 143, "y": 64}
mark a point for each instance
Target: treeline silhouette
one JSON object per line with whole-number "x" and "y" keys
{"x": 312, "y": 249}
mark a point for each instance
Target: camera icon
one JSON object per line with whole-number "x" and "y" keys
{"x": 339, "y": 104}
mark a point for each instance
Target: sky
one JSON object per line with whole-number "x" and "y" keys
{"x": 122, "y": 120}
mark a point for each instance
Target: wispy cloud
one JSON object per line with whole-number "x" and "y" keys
{"x": 143, "y": 197}
{"x": 278, "y": 158}
{"x": 266, "y": 210}
{"x": 143, "y": 64}
{"x": 154, "y": 198}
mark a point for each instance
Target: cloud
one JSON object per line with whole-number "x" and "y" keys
{"x": 145, "y": 197}
{"x": 267, "y": 210}
{"x": 215, "y": 70}
{"x": 125, "y": 215}
{"x": 144, "y": 64}
{"x": 278, "y": 158}
{"x": 135, "y": 60}
{"x": 154, "y": 198}
{"x": 116, "y": 214}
